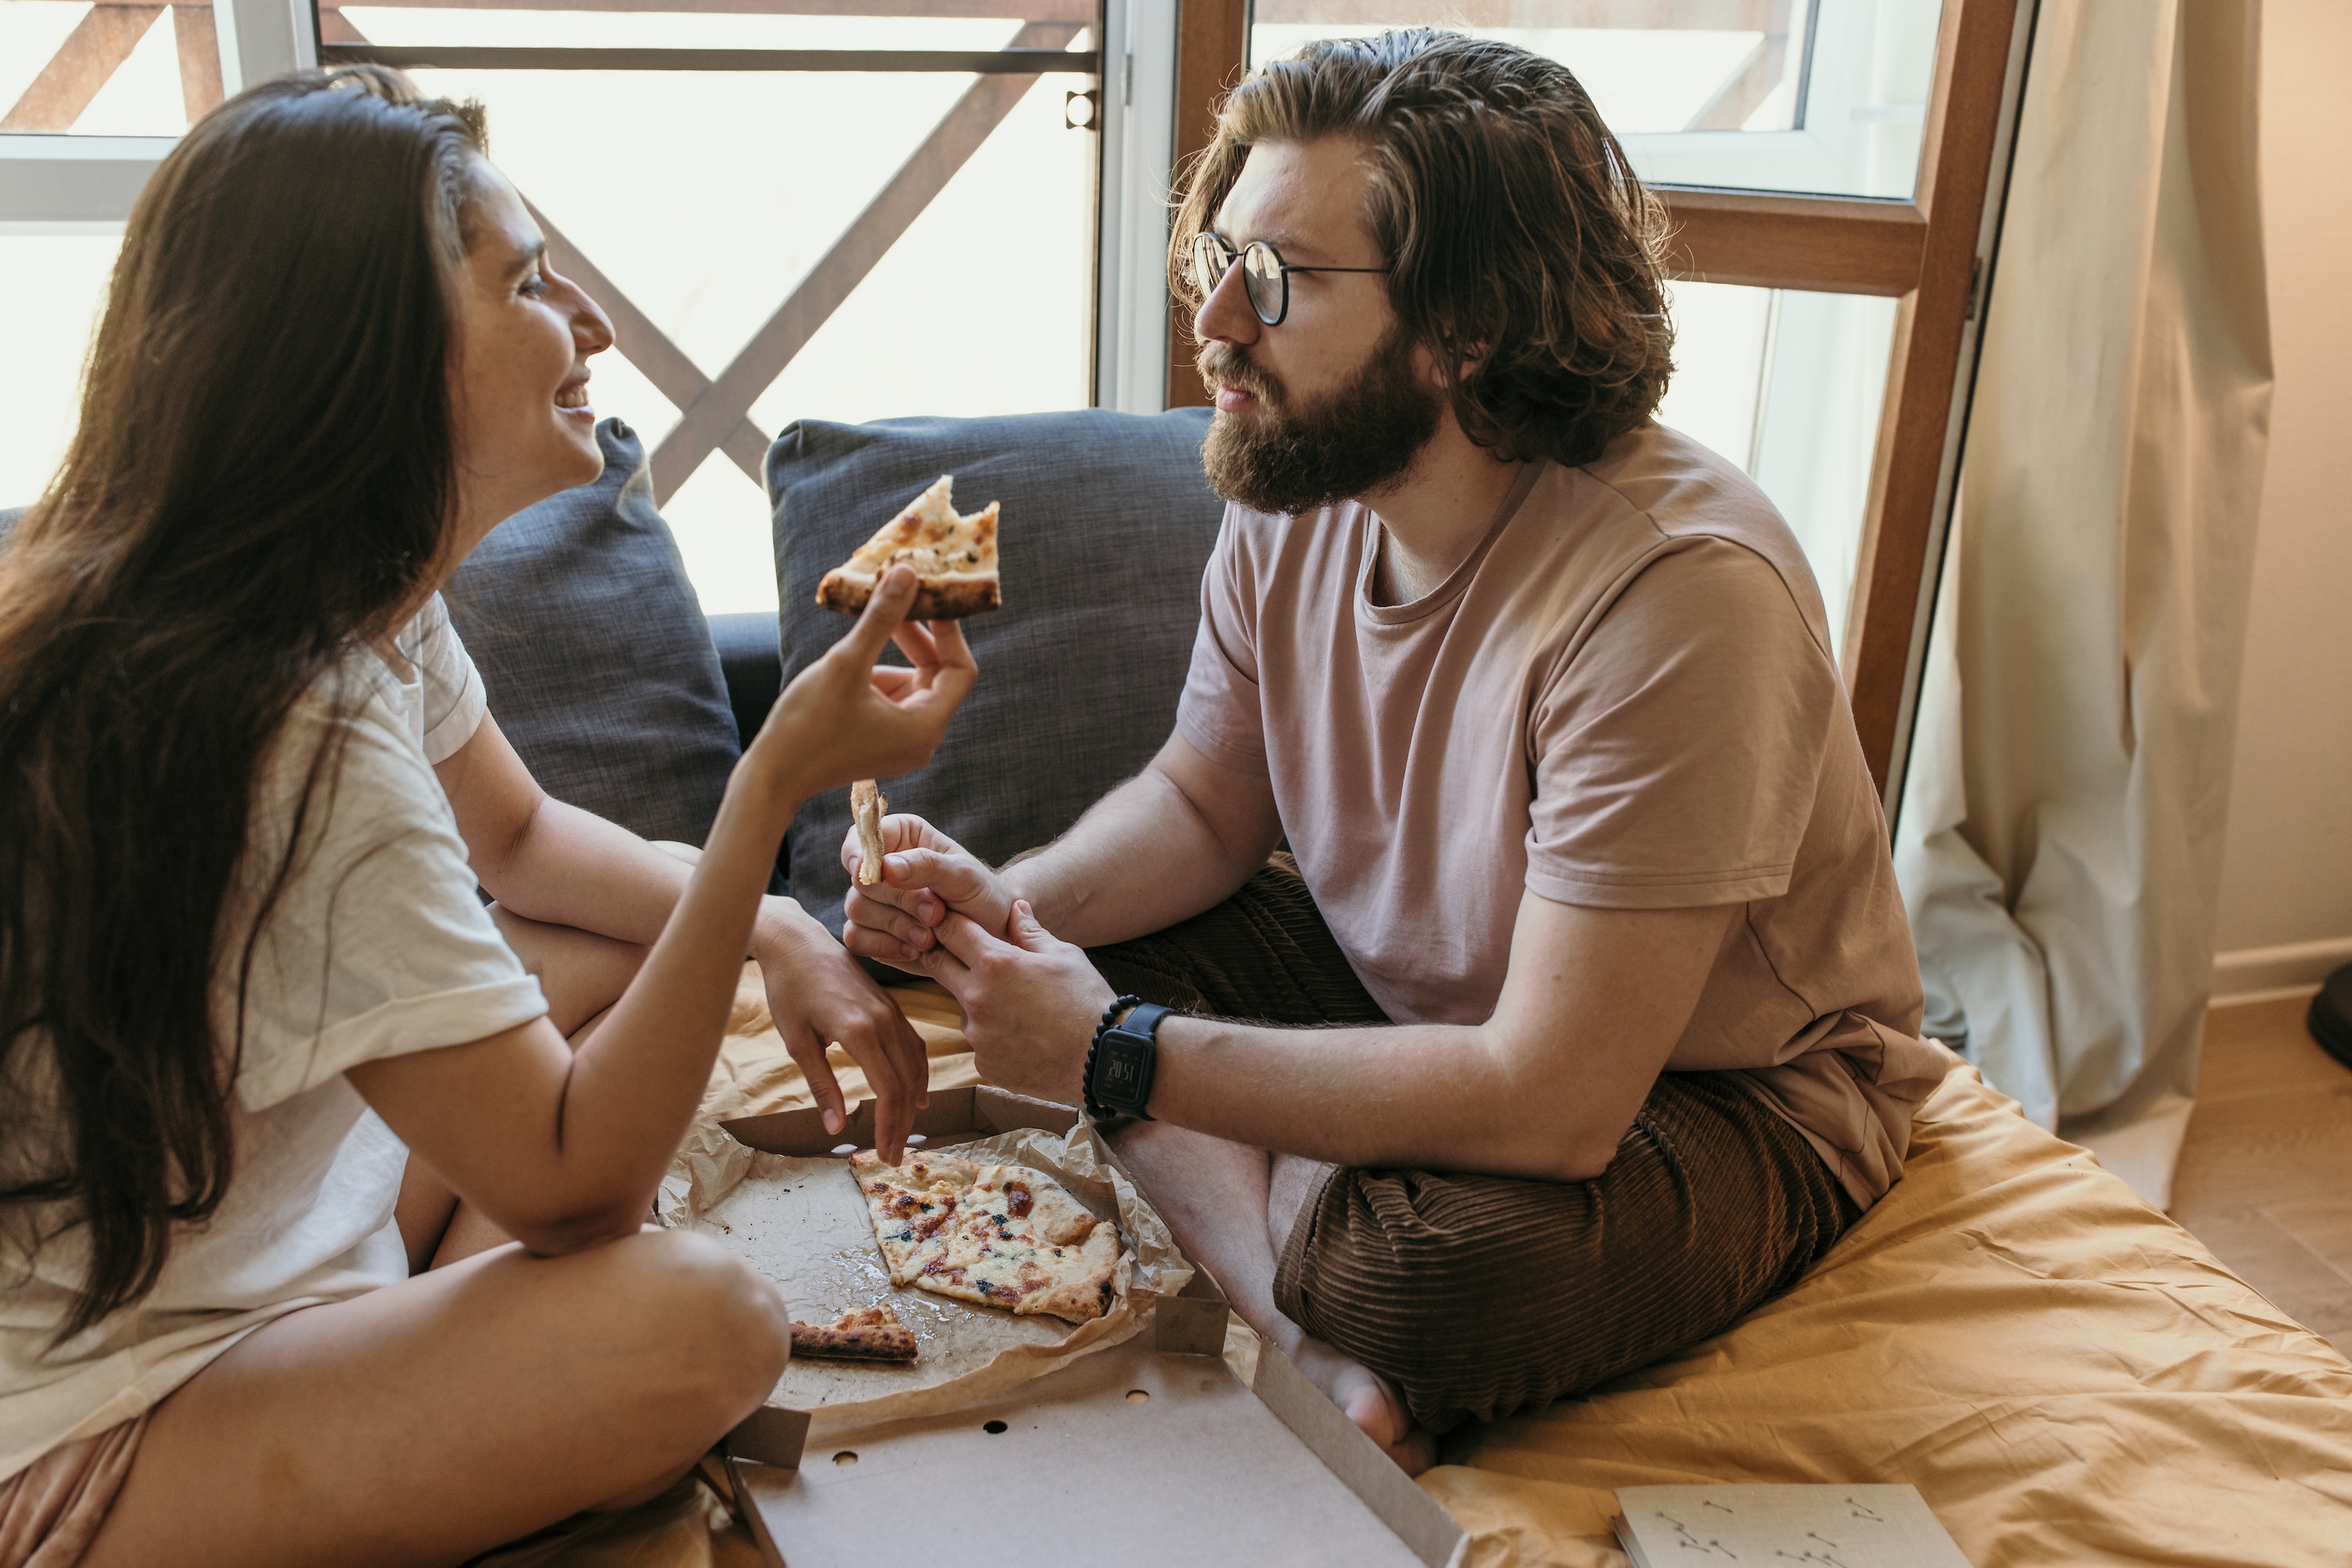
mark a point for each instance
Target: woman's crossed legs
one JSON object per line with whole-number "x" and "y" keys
{"x": 432, "y": 1420}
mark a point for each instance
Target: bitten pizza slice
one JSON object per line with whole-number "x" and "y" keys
{"x": 954, "y": 558}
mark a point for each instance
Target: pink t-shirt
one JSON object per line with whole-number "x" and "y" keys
{"x": 1623, "y": 699}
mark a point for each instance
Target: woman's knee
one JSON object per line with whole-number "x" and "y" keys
{"x": 724, "y": 1333}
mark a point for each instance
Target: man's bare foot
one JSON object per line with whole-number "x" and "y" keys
{"x": 1370, "y": 1402}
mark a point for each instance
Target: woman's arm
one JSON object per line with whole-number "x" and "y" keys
{"x": 546, "y": 860}
{"x": 549, "y": 861}
{"x": 564, "y": 1149}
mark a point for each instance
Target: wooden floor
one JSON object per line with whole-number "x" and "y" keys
{"x": 2266, "y": 1176}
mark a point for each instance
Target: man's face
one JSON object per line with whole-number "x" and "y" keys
{"x": 1333, "y": 402}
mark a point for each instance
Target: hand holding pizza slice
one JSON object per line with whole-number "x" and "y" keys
{"x": 954, "y": 560}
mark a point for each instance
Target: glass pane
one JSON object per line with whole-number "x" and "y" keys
{"x": 727, "y": 193}
{"x": 1785, "y": 95}
{"x": 54, "y": 284}
{"x": 106, "y": 70}
{"x": 1788, "y": 386}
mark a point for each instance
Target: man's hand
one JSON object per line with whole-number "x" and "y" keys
{"x": 926, "y": 875}
{"x": 818, "y": 996}
{"x": 1030, "y": 1002}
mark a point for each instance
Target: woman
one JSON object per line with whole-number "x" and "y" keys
{"x": 247, "y": 791}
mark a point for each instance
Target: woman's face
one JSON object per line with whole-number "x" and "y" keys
{"x": 520, "y": 375}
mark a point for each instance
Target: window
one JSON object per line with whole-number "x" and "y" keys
{"x": 90, "y": 97}
{"x": 837, "y": 209}
{"x": 841, "y": 209}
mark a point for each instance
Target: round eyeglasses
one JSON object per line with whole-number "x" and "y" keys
{"x": 1266, "y": 275}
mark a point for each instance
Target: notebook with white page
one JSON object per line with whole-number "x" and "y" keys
{"x": 1824, "y": 1527}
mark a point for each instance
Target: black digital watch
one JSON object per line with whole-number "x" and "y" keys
{"x": 1123, "y": 1060}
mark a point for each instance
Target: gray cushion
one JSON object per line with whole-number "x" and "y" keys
{"x": 595, "y": 654}
{"x": 1107, "y": 522}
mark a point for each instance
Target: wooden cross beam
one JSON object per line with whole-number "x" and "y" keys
{"x": 648, "y": 348}
{"x": 84, "y": 63}
{"x": 716, "y": 414}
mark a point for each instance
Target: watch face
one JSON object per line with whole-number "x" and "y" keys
{"x": 1126, "y": 1064}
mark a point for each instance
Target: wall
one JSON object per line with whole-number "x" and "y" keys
{"x": 2286, "y": 878}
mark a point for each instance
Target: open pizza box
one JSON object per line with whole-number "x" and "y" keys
{"x": 1154, "y": 1448}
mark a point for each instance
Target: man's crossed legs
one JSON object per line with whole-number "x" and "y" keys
{"x": 1418, "y": 1299}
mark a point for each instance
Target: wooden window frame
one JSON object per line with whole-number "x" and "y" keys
{"x": 1932, "y": 254}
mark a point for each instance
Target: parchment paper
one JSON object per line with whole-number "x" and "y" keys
{"x": 803, "y": 1222}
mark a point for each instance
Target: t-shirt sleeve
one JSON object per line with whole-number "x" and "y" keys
{"x": 453, "y": 698}
{"x": 1678, "y": 752}
{"x": 1220, "y": 711}
{"x": 378, "y": 944}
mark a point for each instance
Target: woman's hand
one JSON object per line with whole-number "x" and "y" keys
{"x": 925, "y": 875}
{"x": 818, "y": 996}
{"x": 845, "y": 718}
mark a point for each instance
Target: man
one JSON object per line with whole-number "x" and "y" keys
{"x": 1585, "y": 1021}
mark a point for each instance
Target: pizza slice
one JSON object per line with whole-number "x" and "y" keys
{"x": 910, "y": 1204}
{"x": 1001, "y": 1236}
{"x": 954, "y": 558}
{"x": 1022, "y": 1243}
{"x": 868, "y": 1334}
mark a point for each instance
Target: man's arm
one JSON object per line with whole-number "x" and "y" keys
{"x": 1179, "y": 838}
{"x": 1593, "y": 1004}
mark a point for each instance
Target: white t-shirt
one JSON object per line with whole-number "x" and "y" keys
{"x": 378, "y": 946}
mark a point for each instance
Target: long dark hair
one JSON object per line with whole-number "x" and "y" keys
{"x": 1524, "y": 251}
{"x": 261, "y": 480}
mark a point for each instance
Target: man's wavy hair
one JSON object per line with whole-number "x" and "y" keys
{"x": 1526, "y": 255}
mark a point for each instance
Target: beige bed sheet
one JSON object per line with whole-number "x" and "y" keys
{"x": 2066, "y": 1375}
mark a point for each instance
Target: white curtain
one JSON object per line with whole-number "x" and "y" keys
{"x": 2060, "y": 841}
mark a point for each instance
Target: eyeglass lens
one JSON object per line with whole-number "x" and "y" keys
{"x": 1261, "y": 275}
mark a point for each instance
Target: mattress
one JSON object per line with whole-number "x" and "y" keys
{"x": 2066, "y": 1375}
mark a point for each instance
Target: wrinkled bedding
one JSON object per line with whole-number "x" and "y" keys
{"x": 2066, "y": 1375}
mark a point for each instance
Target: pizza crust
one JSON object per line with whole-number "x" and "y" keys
{"x": 868, "y": 1334}
{"x": 999, "y": 1236}
{"x": 953, "y": 555}
{"x": 866, "y": 804}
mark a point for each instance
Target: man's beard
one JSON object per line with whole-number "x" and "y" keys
{"x": 1285, "y": 459}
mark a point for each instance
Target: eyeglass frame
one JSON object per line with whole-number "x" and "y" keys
{"x": 1232, "y": 258}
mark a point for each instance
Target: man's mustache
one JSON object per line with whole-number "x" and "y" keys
{"x": 1222, "y": 364}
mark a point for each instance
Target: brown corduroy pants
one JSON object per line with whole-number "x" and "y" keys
{"x": 1480, "y": 1296}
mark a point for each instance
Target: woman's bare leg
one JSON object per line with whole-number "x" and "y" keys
{"x": 1231, "y": 1206}
{"x": 432, "y": 1420}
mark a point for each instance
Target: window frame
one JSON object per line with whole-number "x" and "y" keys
{"x": 1933, "y": 254}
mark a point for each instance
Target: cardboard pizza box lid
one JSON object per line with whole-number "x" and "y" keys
{"x": 1075, "y": 1452}
{"x": 1152, "y": 1456}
